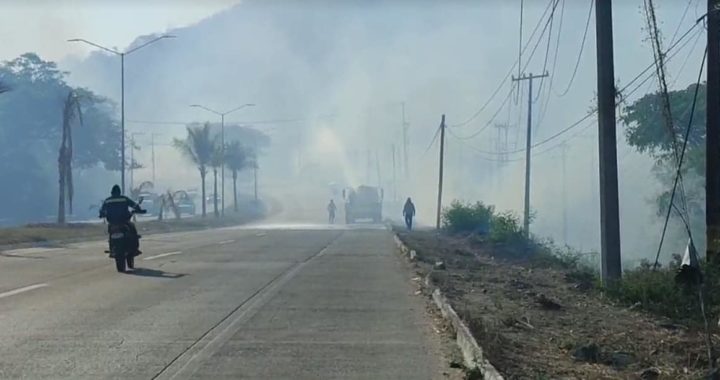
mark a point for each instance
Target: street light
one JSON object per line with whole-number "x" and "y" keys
{"x": 122, "y": 92}
{"x": 222, "y": 149}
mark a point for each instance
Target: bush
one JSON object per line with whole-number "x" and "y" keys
{"x": 505, "y": 227}
{"x": 466, "y": 217}
{"x": 657, "y": 292}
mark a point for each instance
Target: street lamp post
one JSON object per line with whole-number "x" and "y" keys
{"x": 122, "y": 92}
{"x": 222, "y": 148}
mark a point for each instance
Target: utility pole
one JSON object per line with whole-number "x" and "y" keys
{"x": 377, "y": 166}
{"x": 528, "y": 147}
{"x": 405, "y": 126}
{"x": 132, "y": 158}
{"x": 609, "y": 205}
{"x": 440, "y": 178}
{"x": 255, "y": 168}
{"x": 368, "y": 168}
{"x": 122, "y": 125}
{"x": 712, "y": 176}
{"x": 564, "y": 193}
{"x": 394, "y": 175}
{"x": 501, "y": 145}
{"x": 152, "y": 151}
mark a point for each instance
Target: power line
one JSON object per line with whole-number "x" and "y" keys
{"x": 551, "y": 21}
{"x": 185, "y": 123}
{"x": 699, "y": 35}
{"x": 433, "y": 140}
{"x": 505, "y": 102}
{"x": 522, "y": 8}
{"x": 541, "y": 117}
{"x": 582, "y": 48}
{"x": 682, "y": 19}
{"x": 678, "y": 174}
{"x": 652, "y": 65}
{"x": 509, "y": 73}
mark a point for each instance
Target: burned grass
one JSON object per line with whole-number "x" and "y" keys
{"x": 540, "y": 319}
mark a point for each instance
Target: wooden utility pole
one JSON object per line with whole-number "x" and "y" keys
{"x": 440, "y": 178}
{"x": 405, "y": 126}
{"x": 528, "y": 147}
{"x": 609, "y": 207}
{"x": 394, "y": 183}
{"x": 712, "y": 150}
{"x": 564, "y": 193}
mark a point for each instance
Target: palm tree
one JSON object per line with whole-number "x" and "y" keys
{"x": 236, "y": 159}
{"x": 199, "y": 147}
{"x": 71, "y": 110}
{"x": 216, "y": 162}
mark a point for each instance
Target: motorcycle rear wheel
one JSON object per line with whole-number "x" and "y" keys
{"x": 120, "y": 261}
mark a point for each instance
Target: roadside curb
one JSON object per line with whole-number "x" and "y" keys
{"x": 472, "y": 352}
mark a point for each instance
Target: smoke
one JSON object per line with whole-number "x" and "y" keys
{"x": 341, "y": 73}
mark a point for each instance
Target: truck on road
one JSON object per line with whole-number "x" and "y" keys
{"x": 363, "y": 202}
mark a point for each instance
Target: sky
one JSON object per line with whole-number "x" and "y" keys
{"x": 44, "y": 25}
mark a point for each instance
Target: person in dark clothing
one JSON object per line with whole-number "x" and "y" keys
{"x": 331, "y": 208}
{"x": 409, "y": 213}
{"x": 116, "y": 210}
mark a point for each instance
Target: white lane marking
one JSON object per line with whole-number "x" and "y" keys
{"x": 260, "y": 234}
{"x": 226, "y": 242}
{"x": 27, "y": 251}
{"x": 162, "y": 255}
{"x": 22, "y": 290}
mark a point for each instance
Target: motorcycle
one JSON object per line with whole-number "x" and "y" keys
{"x": 121, "y": 243}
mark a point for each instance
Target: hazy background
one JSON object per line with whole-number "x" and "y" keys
{"x": 328, "y": 78}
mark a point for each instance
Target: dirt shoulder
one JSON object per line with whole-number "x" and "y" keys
{"x": 539, "y": 322}
{"x": 50, "y": 234}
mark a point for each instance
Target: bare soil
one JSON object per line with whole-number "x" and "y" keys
{"x": 540, "y": 322}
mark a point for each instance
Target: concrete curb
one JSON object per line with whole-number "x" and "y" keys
{"x": 472, "y": 352}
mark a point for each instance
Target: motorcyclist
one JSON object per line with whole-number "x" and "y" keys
{"x": 115, "y": 210}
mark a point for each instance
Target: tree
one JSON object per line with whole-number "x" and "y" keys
{"x": 216, "y": 162}
{"x": 646, "y": 131}
{"x": 236, "y": 159}
{"x": 71, "y": 110}
{"x": 30, "y": 135}
{"x": 198, "y": 147}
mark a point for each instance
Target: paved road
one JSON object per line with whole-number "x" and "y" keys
{"x": 261, "y": 302}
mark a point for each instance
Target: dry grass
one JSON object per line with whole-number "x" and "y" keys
{"x": 48, "y": 233}
{"x": 531, "y": 319}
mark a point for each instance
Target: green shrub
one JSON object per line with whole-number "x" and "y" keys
{"x": 505, "y": 227}
{"x": 657, "y": 292}
{"x": 466, "y": 217}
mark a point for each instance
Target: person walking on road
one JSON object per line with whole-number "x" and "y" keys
{"x": 409, "y": 213}
{"x": 331, "y": 208}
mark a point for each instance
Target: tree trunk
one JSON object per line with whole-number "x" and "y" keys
{"x": 215, "y": 194}
{"x": 202, "y": 201}
{"x": 235, "y": 190}
{"x": 61, "y": 199}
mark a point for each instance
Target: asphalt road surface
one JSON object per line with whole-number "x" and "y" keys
{"x": 258, "y": 302}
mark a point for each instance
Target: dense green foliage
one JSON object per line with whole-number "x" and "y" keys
{"x": 31, "y": 117}
{"x": 466, "y": 217}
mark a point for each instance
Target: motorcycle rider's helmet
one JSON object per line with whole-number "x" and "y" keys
{"x": 115, "y": 192}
